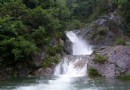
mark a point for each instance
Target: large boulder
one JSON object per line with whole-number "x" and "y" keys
{"x": 117, "y": 61}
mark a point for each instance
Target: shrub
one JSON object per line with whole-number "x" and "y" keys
{"x": 120, "y": 41}
{"x": 93, "y": 72}
{"x": 47, "y": 62}
{"x": 99, "y": 34}
{"x": 99, "y": 58}
{"x": 124, "y": 77}
{"x": 50, "y": 61}
{"x": 102, "y": 31}
{"x": 54, "y": 49}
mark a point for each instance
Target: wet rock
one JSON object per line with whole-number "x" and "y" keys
{"x": 118, "y": 61}
{"x": 42, "y": 71}
{"x": 67, "y": 47}
{"x": 39, "y": 58}
{"x": 70, "y": 62}
{"x": 23, "y": 72}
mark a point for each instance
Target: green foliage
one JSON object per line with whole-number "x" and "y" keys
{"x": 84, "y": 9}
{"x": 124, "y": 10}
{"x": 54, "y": 50}
{"x": 40, "y": 36}
{"x": 27, "y": 26}
{"x": 102, "y": 31}
{"x": 98, "y": 34}
{"x": 31, "y": 3}
{"x": 100, "y": 58}
{"x": 50, "y": 61}
{"x": 88, "y": 10}
{"x": 74, "y": 24}
{"x": 21, "y": 40}
{"x": 47, "y": 62}
{"x": 92, "y": 72}
{"x": 14, "y": 47}
{"x": 23, "y": 46}
{"x": 124, "y": 77}
{"x": 13, "y": 9}
{"x": 26, "y": 29}
{"x": 120, "y": 41}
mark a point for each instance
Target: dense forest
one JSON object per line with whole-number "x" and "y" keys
{"x": 28, "y": 27}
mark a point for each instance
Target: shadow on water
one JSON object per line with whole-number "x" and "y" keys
{"x": 11, "y": 83}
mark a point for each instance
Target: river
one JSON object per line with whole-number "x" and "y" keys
{"x": 70, "y": 73}
{"x": 52, "y": 83}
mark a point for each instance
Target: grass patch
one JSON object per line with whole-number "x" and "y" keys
{"x": 120, "y": 41}
{"x": 100, "y": 58}
{"x": 102, "y": 31}
{"x": 99, "y": 34}
{"x": 92, "y": 72}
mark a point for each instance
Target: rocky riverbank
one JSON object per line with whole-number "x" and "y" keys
{"x": 111, "y": 58}
{"x": 111, "y": 62}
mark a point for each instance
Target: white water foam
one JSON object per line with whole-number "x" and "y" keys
{"x": 80, "y": 46}
{"x": 73, "y": 68}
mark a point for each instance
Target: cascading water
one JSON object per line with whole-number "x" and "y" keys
{"x": 80, "y": 46}
{"x": 70, "y": 67}
{"x": 74, "y": 65}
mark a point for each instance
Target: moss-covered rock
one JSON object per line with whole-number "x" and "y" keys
{"x": 120, "y": 41}
{"x": 99, "y": 58}
{"x": 99, "y": 34}
{"x": 93, "y": 72}
{"x": 124, "y": 77}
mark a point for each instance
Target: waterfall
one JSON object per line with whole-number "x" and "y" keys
{"x": 80, "y": 46}
{"x": 72, "y": 66}
{"x": 77, "y": 65}
{"x": 69, "y": 69}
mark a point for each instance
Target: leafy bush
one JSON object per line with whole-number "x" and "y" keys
{"x": 93, "y": 72}
{"x": 99, "y": 34}
{"x": 74, "y": 24}
{"x": 54, "y": 50}
{"x": 124, "y": 11}
{"x": 100, "y": 59}
{"x": 50, "y": 61}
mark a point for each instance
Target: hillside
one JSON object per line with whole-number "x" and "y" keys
{"x": 32, "y": 32}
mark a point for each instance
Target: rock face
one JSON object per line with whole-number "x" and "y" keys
{"x": 39, "y": 58}
{"x": 67, "y": 47}
{"x": 118, "y": 61}
{"x": 102, "y": 31}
